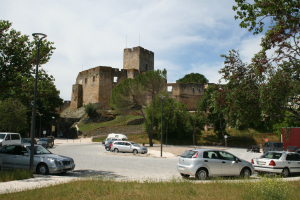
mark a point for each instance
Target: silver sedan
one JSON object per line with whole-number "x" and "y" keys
{"x": 17, "y": 156}
{"x": 203, "y": 163}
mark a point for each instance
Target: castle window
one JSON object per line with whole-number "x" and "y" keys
{"x": 146, "y": 66}
{"x": 85, "y": 80}
{"x": 94, "y": 78}
{"x": 170, "y": 89}
{"x": 115, "y": 79}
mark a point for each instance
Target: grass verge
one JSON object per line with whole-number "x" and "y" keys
{"x": 15, "y": 175}
{"x": 109, "y": 189}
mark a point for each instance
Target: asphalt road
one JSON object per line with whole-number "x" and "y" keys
{"x": 93, "y": 159}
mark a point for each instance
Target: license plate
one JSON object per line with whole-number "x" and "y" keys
{"x": 261, "y": 163}
{"x": 181, "y": 168}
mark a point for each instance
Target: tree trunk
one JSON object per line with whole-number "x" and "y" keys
{"x": 149, "y": 133}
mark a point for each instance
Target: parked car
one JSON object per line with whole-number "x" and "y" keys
{"x": 279, "y": 162}
{"x": 45, "y": 142}
{"x": 108, "y": 140}
{"x": 52, "y": 139}
{"x": 203, "y": 163}
{"x": 103, "y": 142}
{"x": 28, "y": 141}
{"x": 108, "y": 146}
{"x": 9, "y": 138}
{"x": 127, "y": 146}
{"x": 273, "y": 146}
{"x": 17, "y": 156}
{"x": 253, "y": 148}
{"x": 292, "y": 148}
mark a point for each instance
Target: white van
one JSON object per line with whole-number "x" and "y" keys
{"x": 9, "y": 138}
{"x": 117, "y": 136}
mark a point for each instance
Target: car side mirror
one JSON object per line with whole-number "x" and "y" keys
{"x": 237, "y": 160}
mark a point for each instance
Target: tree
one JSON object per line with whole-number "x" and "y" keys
{"x": 268, "y": 86}
{"x": 13, "y": 115}
{"x": 193, "y": 78}
{"x": 17, "y": 58}
{"x": 134, "y": 93}
{"x": 175, "y": 113}
{"x": 214, "y": 116}
{"x": 17, "y": 73}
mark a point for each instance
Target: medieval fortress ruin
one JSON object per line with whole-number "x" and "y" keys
{"x": 95, "y": 85}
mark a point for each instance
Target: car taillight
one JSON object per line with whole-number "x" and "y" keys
{"x": 195, "y": 156}
{"x": 272, "y": 163}
{"x": 273, "y": 146}
{"x": 252, "y": 161}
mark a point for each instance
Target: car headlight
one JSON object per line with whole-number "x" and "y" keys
{"x": 56, "y": 162}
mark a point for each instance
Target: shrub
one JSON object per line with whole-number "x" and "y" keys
{"x": 90, "y": 110}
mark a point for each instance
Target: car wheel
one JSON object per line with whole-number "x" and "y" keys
{"x": 116, "y": 150}
{"x": 135, "y": 151}
{"x": 185, "y": 176}
{"x": 106, "y": 148}
{"x": 202, "y": 174}
{"x": 285, "y": 172}
{"x": 42, "y": 169}
{"x": 246, "y": 173}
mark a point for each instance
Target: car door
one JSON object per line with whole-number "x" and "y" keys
{"x": 297, "y": 160}
{"x": 127, "y": 147}
{"x": 229, "y": 164}
{"x": 7, "y": 157}
{"x": 291, "y": 162}
{"x": 210, "y": 159}
{"x": 21, "y": 161}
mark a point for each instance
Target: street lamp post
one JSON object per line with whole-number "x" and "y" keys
{"x": 161, "y": 136}
{"x": 34, "y": 101}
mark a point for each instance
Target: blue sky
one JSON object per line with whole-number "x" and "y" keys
{"x": 185, "y": 35}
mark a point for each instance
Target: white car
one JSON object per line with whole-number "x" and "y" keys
{"x": 279, "y": 162}
{"x": 203, "y": 163}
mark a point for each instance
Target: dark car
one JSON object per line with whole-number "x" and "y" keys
{"x": 107, "y": 146}
{"x": 46, "y": 142}
{"x": 273, "y": 146}
{"x": 28, "y": 141}
{"x": 292, "y": 148}
{"x": 253, "y": 148}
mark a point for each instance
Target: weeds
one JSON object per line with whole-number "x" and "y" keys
{"x": 15, "y": 175}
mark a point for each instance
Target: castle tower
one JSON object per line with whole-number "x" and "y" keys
{"x": 138, "y": 58}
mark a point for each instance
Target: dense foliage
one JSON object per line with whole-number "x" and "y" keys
{"x": 268, "y": 86}
{"x": 193, "y": 78}
{"x": 17, "y": 76}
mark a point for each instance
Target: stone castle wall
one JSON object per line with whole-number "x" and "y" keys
{"x": 138, "y": 58}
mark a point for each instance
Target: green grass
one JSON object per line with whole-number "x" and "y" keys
{"x": 176, "y": 189}
{"x": 15, "y": 175}
{"x": 120, "y": 120}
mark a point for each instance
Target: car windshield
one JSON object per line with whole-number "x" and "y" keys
{"x": 272, "y": 155}
{"x": 2, "y": 136}
{"x": 39, "y": 150}
{"x": 292, "y": 148}
{"x": 43, "y": 139}
{"x": 188, "y": 154}
{"x": 135, "y": 144}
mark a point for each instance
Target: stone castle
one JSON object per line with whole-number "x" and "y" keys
{"x": 95, "y": 85}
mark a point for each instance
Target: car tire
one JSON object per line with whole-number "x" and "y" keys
{"x": 135, "y": 151}
{"x": 246, "y": 172}
{"x": 285, "y": 172}
{"x": 42, "y": 169}
{"x": 106, "y": 148}
{"x": 202, "y": 174}
{"x": 116, "y": 150}
{"x": 185, "y": 176}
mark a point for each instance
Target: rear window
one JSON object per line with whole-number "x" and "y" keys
{"x": 272, "y": 155}
{"x": 188, "y": 154}
{"x": 278, "y": 144}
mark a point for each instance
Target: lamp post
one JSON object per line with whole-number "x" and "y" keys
{"x": 34, "y": 101}
{"x": 162, "y": 103}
